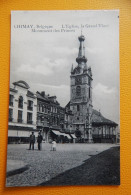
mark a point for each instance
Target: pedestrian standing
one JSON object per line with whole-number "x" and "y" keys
{"x": 39, "y": 140}
{"x": 32, "y": 141}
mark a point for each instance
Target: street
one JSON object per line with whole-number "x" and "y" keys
{"x": 45, "y": 165}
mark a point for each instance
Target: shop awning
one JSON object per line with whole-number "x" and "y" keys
{"x": 59, "y": 133}
{"x": 20, "y": 133}
{"x": 67, "y": 135}
{"x": 73, "y": 135}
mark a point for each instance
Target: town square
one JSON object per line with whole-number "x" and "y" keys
{"x": 32, "y": 167}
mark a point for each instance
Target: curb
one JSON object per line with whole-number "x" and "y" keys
{"x": 17, "y": 171}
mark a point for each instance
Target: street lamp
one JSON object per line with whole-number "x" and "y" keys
{"x": 89, "y": 125}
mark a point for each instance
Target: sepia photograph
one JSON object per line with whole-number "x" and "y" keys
{"x": 64, "y": 120}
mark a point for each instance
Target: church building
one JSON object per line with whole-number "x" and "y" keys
{"x": 88, "y": 123}
{"x": 81, "y": 94}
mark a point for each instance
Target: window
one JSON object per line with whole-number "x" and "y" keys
{"x": 89, "y": 81}
{"x": 30, "y": 105}
{"x": 10, "y": 114}
{"x": 29, "y": 118}
{"x": 89, "y": 93}
{"x": 57, "y": 120}
{"x": 78, "y": 90}
{"x": 78, "y": 80}
{"x": 20, "y": 102}
{"x": 49, "y": 109}
{"x": 78, "y": 107}
{"x": 62, "y": 126}
{"x": 38, "y": 107}
{"x": 11, "y": 100}
{"x": 43, "y": 108}
{"x": 20, "y": 116}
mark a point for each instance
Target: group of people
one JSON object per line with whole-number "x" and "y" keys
{"x": 32, "y": 140}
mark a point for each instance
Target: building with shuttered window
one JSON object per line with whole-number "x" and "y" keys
{"x": 22, "y": 112}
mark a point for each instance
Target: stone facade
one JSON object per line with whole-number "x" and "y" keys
{"x": 50, "y": 115}
{"x": 81, "y": 94}
{"x": 22, "y": 112}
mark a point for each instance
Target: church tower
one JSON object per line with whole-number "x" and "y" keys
{"x": 81, "y": 94}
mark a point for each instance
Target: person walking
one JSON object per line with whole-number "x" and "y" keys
{"x": 32, "y": 141}
{"x": 39, "y": 140}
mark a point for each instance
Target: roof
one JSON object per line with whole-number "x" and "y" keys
{"x": 39, "y": 96}
{"x": 22, "y": 84}
{"x": 98, "y": 119}
{"x": 68, "y": 105}
{"x": 13, "y": 90}
{"x": 46, "y": 98}
{"x": 30, "y": 94}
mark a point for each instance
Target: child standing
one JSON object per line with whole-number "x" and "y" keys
{"x": 54, "y": 145}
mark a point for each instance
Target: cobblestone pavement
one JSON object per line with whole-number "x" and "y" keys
{"x": 46, "y": 164}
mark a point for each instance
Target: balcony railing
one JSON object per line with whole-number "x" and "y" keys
{"x": 30, "y": 122}
{"x": 30, "y": 108}
{"x": 39, "y": 123}
{"x": 20, "y": 120}
{"x": 20, "y": 105}
{"x": 10, "y": 103}
{"x": 10, "y": 119}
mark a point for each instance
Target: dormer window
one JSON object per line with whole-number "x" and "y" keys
{"x": 20, "y": 102}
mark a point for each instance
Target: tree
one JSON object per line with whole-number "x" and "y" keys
{"x": 78, "y": 133}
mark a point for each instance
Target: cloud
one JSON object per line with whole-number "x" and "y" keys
{"x": 65, "y": 50}
{"x": 46, "y": 67}
{"x": 94, "y": 50}
{"x": 62, "y": 92}
{"x": 103, "y": 89}
{"x": 107, "y": 100}
{"x": 54, "y": 86}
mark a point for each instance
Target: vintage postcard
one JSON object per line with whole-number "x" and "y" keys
{"x": 64, "y": 99}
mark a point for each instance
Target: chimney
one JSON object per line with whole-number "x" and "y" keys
{"x": 43, "y": 93}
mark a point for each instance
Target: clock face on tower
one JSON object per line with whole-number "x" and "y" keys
{"x": 78, "y": 80}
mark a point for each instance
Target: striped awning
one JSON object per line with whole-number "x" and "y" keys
{"x": 73, "y": 135}
{"x": 59, "y": 133}
{"x": 67, "y": 135}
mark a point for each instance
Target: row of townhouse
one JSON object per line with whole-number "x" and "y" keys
{"x": 29, "y": 112}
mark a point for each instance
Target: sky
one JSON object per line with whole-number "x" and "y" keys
{"x": 44, "y": 45}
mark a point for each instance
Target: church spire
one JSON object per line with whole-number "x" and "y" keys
{"x": 81, "y": 54}
{"x": 72, "y": 69}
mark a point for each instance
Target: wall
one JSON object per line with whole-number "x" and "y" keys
{"x": 23, "y": 92}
